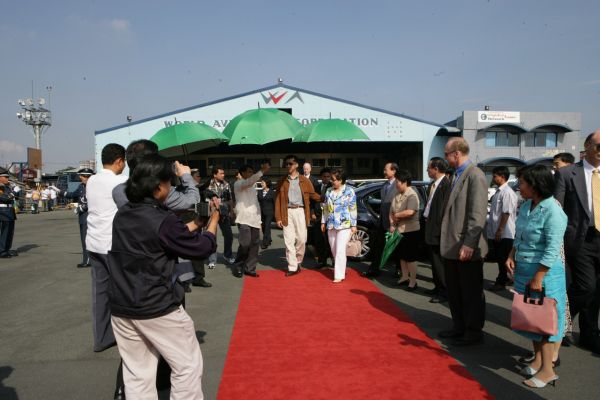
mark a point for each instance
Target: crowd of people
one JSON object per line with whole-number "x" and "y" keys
{"x": 137, "y": 231}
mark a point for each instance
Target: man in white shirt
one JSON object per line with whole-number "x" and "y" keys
{"x": 248, "y": 219}
{"x": 45, "y": 198}
{"x": 501, "y": 224}
{"x": 101, "y": 211}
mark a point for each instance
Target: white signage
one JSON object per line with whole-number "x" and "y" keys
{"x": 512, "y": 117}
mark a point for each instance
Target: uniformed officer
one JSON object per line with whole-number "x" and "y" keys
{"x": 82, "y": 211}
{"x": 7, "y": 216}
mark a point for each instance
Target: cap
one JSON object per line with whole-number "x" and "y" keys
{"x": 85, "y": 172}
{"x": 4, "y": 172}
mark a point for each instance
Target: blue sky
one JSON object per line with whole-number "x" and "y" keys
{"x": 427, "y": 59}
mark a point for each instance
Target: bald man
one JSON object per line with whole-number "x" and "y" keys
{"x": 463, "y": 245}
{"x": 578, "y": 190}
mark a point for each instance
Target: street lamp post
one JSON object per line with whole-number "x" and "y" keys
{"x": 34, "y": 114}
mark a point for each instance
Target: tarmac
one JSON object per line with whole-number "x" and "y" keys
{"x": 46, "y": 333}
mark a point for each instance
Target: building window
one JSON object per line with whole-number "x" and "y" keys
{"x": 363, "y": 162}
{"x": 257, "y": 162}
{"x": 334, "y": 162}
{"x": 501, "y": 138}
{"x": 318, "y": 162}
{"x": 545, "y": 138}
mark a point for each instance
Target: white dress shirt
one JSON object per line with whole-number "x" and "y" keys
{"x": 504, "y": 201}
{"x": 247, "y": 209}
{"x": 101, "y": 210}
{"x": 588, "y": 169}
{"x": 435, "y": 187}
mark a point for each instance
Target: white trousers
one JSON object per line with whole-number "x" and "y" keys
{"x": 142, "y": 341}
{"x": 338, "y": 240}
{"x": 294, "y": 236}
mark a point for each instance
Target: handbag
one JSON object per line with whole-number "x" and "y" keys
{"x": 354, "y": 246}
{"x": 536, "y": 315}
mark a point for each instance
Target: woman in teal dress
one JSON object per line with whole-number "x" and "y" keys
{"x": 536, "y": 260}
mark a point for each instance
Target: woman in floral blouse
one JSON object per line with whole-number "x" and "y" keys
{"x": 339, "y": 220}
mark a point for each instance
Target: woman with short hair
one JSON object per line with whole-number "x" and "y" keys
{"x": 145, "y": 295}
{"x": 536, "y": 261}
{"x": 404, "y": 218}
{"x": 339, "y": 220}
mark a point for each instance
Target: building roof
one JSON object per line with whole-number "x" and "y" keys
{"x": 280, "y": 85}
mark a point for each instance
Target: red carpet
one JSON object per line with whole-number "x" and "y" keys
{"x": 304, "y": 337}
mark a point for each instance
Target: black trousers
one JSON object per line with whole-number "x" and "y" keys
{"x": 225, "y": 226}
{"x": 247, "y": 255}
{"x": 198, "y": 269}
{"x": 502, "y": 249}
{"x": 321, "y": 243}
{"x": 464, "y": 281}
{"x": 584, "y": 291}
{"x": 7, "y": 232}
{"x": 267, "y": 219}
{"x": 437, "y": 269}
{"x": 82, "y": 235}
{"x": 378, "y": 242}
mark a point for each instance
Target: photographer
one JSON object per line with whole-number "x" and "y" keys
{"x": 219, "y": 187}
{"x": 145, "y": 299}
{"x": 248, "y": 219}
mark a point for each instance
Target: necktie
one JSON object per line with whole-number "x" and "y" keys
{"x": 596, "y": 198}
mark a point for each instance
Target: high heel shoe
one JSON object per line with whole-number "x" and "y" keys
{"x": 538, "y": 383}
{"x": 338, "y": 280}
{"x": 412, "y": 288}
{"x": 403, "y": 282}
{"x": 528, "y": 371}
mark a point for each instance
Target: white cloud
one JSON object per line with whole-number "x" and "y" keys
{"x": 7, "y": 146}
{"x": 120, "y": 25}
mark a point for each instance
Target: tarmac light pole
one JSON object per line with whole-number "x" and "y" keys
{"x": 35, "y": 115}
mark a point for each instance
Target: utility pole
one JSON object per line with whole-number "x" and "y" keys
{"x": 34, "y": 114}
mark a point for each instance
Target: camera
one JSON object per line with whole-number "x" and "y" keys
{"x": 202, "y": 210}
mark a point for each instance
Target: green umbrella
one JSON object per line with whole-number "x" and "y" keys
{"x": 331, "y": 130}
{"x": 391, "y": 241}
{"x": 185, "y": 138}
{"x": 261, "y": 126}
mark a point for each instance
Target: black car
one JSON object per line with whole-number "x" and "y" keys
{"x": 368, "y": 202}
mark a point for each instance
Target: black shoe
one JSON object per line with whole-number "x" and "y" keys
{"x": 291, "y": 273}
{"x": 497, "y": 287}
{"x": 371, "y": 273}
{"x": 201, "y": 282}
{"x": 451, "y": 334}
{"x": 438, "y": 299}
{"x": 83, "y": 265}
{"x": 5, "y": 255}
{"x": 238, "y": 273}
{"x": 13, "y": 253}
{"x": 468, "y": 340}
{"x": 264, "y": 246}
{"x": 252, "y": 274}
{"x": 187, "y": 288}
{"x": 412, "y": 288}
{"x": 120, "y": 393}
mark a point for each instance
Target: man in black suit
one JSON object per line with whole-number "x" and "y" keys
{"x": 321, "y": 239}
{"x": 387, "y": 193}
{"x": 266, "y": 200}
{"x": 433, "y": 213}
{"x": 578, "y": 190}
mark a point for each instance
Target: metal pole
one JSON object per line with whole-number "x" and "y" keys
{"x": 37, "y": 132}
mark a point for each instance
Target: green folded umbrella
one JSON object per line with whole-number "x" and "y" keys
{"x": 391, "y": 241}
{"x": 331, "y": 130}
{"x": 185, "y": 138}
{"x": 261, "y": 126}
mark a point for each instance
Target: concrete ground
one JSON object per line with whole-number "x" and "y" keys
{"x": 46, "y": 335}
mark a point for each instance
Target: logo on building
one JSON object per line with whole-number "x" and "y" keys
{"x": 277, "y": 97}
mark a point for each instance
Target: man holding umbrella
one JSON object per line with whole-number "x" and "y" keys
{"x": 292, "y": 212}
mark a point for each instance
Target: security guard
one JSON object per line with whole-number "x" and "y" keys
{"x": 7, "y": 216}
{"x": 82, "y": 211}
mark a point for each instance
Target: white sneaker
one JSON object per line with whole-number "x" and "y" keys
{"x": 211, "y": 266}
{"x": 230, "y": 260}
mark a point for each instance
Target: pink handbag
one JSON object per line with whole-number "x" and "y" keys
{"x": 354, "y": 247}
{"x": 536, "y": 315}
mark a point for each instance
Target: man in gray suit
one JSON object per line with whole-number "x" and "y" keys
{"x": 463, "y": 245}
{"x": 388, "y": 192}
{"x": 578, "y": 190}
